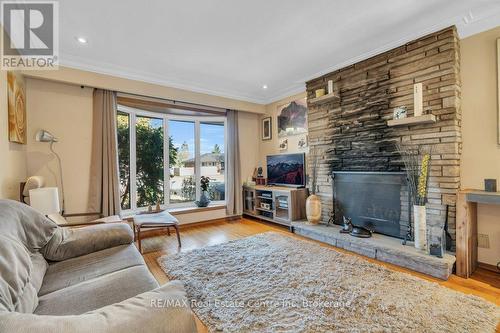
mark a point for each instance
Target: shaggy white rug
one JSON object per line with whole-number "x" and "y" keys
{"x": 276, "y": 283}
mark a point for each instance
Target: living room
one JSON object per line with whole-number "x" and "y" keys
{"x": 250, "y": 167}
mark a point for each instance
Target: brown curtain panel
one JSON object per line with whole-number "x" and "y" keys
{"x": 233, "y": 170}
{"x": 104, "y": 181}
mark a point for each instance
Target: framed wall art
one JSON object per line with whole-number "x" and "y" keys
{"x": 292, "y": 118}
{"x": 267, "y": 128}
{"x": 16, "y": 107}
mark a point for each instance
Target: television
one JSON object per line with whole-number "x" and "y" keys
{"x": 286, "y": 170}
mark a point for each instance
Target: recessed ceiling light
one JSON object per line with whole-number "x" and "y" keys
{"x": 264, "y": 86}
{"x": 82, "y": 40}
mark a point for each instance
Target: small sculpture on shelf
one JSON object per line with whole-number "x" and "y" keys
{"x": 400, "y": 112}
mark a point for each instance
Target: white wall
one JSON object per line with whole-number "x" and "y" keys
{"x": 248, "y": 124}
{"x": 481, "y": 152}
{"x": 65, "y": 111}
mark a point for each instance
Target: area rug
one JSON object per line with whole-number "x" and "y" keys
{"x": 272, "y": 282}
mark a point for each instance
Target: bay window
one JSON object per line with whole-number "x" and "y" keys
{"x": 162, "y": 157}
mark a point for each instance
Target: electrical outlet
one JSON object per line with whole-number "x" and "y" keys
{"x": 483, "y": 241}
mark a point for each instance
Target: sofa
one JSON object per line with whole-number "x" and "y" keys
{"x": 89, "y": 279}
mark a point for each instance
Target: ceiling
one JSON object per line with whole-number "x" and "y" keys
{"x": 232, "y": 48}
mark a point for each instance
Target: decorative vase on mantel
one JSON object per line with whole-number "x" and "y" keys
{"x": 420, "y": 227}
{"x": 313, "y": 202}
{"x": 417, "y": 165}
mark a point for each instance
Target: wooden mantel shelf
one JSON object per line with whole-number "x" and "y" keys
{"x": 492, "y": 198}
{"x": 324, "y": 99}
{"x": 425, "y": 119}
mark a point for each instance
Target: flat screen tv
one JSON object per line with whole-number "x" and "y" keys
{"x": 286, "y": 170}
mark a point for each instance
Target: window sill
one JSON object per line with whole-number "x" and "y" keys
{"x": 179, "y": 210}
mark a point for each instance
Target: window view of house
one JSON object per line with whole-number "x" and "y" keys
{"x": 182, "y": 168}
{"x": 212, "y": 158}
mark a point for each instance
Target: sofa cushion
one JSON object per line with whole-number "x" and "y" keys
{"x": 17, "y": 292}
{"x": 39, "y": 269}
{"x": 69, "y": 272}
{"x": 98, "y": 292}
{"x": 68, "y": 243}
{"x": 22, "y": 223}
{"x": 163, "y": 310}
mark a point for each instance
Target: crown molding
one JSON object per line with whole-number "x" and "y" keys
{"x": 474, "y": 22}
{"x": 122, "y": 72}
{"x": 290, "y": 91}
{"x": 478, "y": 19}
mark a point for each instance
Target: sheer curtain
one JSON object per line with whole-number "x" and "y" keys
{"x": 104, "y": 194}
{"x": 234, "y": 190}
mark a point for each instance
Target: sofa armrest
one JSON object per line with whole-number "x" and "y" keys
{"x": 163, "y": 310}
{"x": 73, "y": 242}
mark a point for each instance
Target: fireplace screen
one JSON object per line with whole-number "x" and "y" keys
{"x": 378, "y": 201}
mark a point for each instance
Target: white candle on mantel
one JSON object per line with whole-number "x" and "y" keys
{"x": 417, "y": 100}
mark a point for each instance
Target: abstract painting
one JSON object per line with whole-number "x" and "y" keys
{"x": 292, "y": 118}
{"x": 16, "y": 107}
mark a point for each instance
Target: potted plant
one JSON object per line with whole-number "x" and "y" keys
{"x": 313, "y": 202}
{"x": 417, "y": 172}
{"x": 204, "y": 201}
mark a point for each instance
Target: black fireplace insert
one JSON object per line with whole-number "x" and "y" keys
{"x": 378, "y": 201}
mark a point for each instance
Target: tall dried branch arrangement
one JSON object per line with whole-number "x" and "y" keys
{"x": 314, "y": 169}
{"x": 417, "y": 166}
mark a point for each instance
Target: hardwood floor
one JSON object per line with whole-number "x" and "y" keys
{"x": 483, "y": 283}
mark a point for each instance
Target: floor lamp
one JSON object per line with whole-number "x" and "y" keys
{"x": 45, "y": 136}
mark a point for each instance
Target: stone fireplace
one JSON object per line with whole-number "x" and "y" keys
{"x": 350, "y": 133}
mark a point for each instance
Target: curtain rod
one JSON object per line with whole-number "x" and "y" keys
{"x": 169, "y": 103}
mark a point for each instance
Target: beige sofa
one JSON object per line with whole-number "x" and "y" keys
{"x": 89, "y": 279}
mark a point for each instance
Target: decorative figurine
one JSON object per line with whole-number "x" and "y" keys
{"x": 400, "y": 112}
{"x": 355, "y": 231}
{"x": 347, "y": 227}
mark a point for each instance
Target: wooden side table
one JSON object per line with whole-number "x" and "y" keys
{"x": 155, "y": 220}
{"x": 466, "y": 228}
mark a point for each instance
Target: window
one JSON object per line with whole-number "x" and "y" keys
{"x": 212, "y": 158}
{"x": 162, "y": 156}
{"x": 123, "y": 130}
{"x": 182, "y": 161}
{"x": 149, "y": 161}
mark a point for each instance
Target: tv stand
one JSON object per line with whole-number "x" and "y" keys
{"x": 277, "y": 204}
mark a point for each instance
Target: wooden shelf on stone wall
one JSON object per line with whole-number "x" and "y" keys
{"x": 425, "y": 119}
{"x": 324, "y": 99}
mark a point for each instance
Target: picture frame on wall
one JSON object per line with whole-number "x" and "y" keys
{"x": 16, "y": 107}
{"x": 267, "y": 129}
{"x": 292, "y": 118}
{"x": 303, "y": 141}
{"x": 283, "y": 144}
